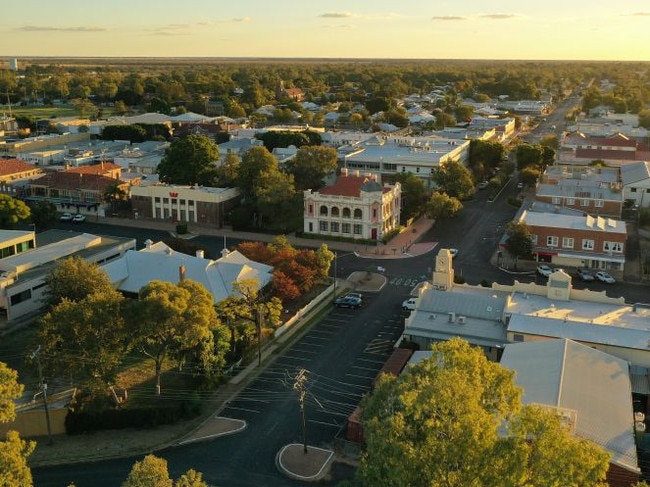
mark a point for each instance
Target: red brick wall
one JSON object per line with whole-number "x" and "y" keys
{"x": 578, "y": 235}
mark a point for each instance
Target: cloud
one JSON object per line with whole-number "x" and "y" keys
{"x": 640, "y": 14}
{"x": 48, "y": 28}
{"x": 172, "y": 30}
{"x": 499, "y": 16}
{"x": 449, "y": 17}
{"x": 242, "y": 19}
{"x": 337, "y": 15}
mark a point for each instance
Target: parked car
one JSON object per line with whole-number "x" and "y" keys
{"x": 603, "y": 276}
{"x": 545, "y": 270}
{"x": 358, "y": 296}
{"x": 585, "y": 275}
{"x": 66, "y": 217}
{"x": 79, "y": 218}
{"x": 483, "y": 185}
{"x": 409, "y": 304}
{"x": 520, "y": 185}
{"x": 347, "y": 302}
{"x": 453, "y": 252}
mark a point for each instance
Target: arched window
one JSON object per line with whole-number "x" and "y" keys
{"x": 346, "y": 213}
{"x": 323, "y": 210}
{"x": 358, "y": 214}
{"x": 335, "y": 211}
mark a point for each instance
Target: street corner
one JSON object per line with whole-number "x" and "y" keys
{"x": 367, "y": 281}
{"x": 303, "y": 462}
{"x": 215, "y": 427}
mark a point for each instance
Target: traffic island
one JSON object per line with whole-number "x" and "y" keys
{"x": 310, "y": 466}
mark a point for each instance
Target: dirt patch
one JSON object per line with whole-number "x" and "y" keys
{"x": 367, "y": 281}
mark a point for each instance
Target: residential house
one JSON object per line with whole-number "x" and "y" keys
{"x": 615, "y": 151}
{"x": 356, "y": 206}
{"x": 636, "y": 183}
{"x": 593, "y": 190}
{"x": 12, "y": 170}
{"x": 157, "y": 261}
{"x": 192, "y": 204}
{"x": 577, "y": 241}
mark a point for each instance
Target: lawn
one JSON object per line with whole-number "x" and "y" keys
{"x": 51, "y": 112}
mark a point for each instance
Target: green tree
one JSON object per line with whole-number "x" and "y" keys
{"x": 227, "y": 172}
{"x": 255, "y": 162}
{"x": 12, "y": 211}
{"x": 14, "y": 452}
{"x": 42, "y": 213}
{"x": 74, "y": 279}
{"x": 529, "y": 175}
{"x": 644, "y": 119}
{"x": 172, "y": 320}
{"x": 151, "y": 471}
{"x": 454, "y": 179}
{"x": 191, "y": 478}
{"x": 311, "y": 165}
{"x": 441, "y": 205}
{"x": 190, "y": 160}
{"x": 421, "y": 430}
{"x": 528, "y": 155}
{"x": 519, "y": 239}
{"x": 274, "y": 197}
{"x": 414, "y": 196}
{"x": 86, "y": 339}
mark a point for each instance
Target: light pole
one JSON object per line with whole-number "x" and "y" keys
{"x": 44, "y": 391}
{"x": 335, "y": 273}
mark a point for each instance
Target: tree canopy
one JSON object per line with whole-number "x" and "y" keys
{"x": 414, "y": 195}
{"x": 190, "y": 160}
{"x": 519, "y": 240}
{"x": 454, "y": 179}
{"x": 456, "y": 419}
{"x": 441, "y": 205}
{"x": 74, "y": 279}
{"x": 152, "y": 471}
{"x": 310, "y": 166}
{"x": 12, "y": 211}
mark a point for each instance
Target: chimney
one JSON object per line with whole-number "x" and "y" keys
{"x": 356, "y": 173}
{"x": 181, "y": 273}
{"x": 344, "y": 172}
{"x": 148, "y": 243}
{"x": 224, "y": 253}
{"x": 200, "y": 253}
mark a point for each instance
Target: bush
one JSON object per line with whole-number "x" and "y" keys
{"x": 459, "y": 280}
{"x": 181, "y": 228}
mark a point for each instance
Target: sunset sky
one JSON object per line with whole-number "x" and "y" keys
{"x": 428, "y": 29}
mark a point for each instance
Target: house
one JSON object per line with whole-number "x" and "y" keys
{"x": 192, "y": 204}
{"x": 616, "y": 150}
{"x": 593, "y": 190}
{"x": 23, "y": 274}
{"x": 636, "y": 183}
{"x": 294, "y": 94}
{"x": 356, "y": 206}
{"x": 591, "y": 392}
{"x": 12, "y": 170}
{"x": 157, "y": 261}
{"x": 106, "y": 169}
{"x": 577, "y": 241}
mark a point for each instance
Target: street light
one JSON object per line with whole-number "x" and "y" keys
{"x": 335, "y": 274}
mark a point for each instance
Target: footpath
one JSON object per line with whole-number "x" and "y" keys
{"x": 292, "y": 460}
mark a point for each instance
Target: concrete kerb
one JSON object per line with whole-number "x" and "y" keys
{"x": 291, "y": 457}
{"x": 229, "y": 426}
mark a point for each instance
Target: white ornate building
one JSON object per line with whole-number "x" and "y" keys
{"x": 356, "y": 206}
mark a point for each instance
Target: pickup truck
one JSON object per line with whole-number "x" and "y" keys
{"x": 409, "y": 304}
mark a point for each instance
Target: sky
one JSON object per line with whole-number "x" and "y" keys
{"x": 402, "y": 29}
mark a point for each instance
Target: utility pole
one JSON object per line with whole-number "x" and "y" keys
{"x": 300, "y": 386}
{"x": 260, "y": 318}
{"x": 44, "y": 391}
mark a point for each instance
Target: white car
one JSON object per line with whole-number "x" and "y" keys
{"x": 603, "y": 276}
{"x": 409, "y": 304}
{"x": 79, "y": 218}
{"x": 545, "y": 270}
{"x": 66, "y": 217}
{"x": 453, "y": 252}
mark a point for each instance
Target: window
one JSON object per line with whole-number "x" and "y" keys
{"x": 584, "y": 202}
{"x": 517, "y": 337}
{"x": 599, "y": 203}
{"x": 567, "y": 242}
{"x": 374, "y": 212}
{"x": 182, "y": 202}
{"x": 323, "y": 210}
{"x": 358, "y": 214}
{"x": 345, "y": 227}
{"x": 334, "y": 227}
{"x": 322, "y": 225}
{"x": 587, "y": 244}
{"x": 165, "y": 201}
{"x": 551, "y": 241}
{"x": 632, "y": 190}
{"x": 346, "y": 213}
{"x": 571, "y": 201}
{"x": 20, "y": 297}
{"x": 190, "y": 203}
{"x": 616, "y": 247}
{"x": 157, "y": 199}
{"x": 556, "y": 200}
{"x": 417, "y": 169}
{"x": 357, "y": 229}
{"x": 533, "y": 239}
{"x": 335, "y": 212}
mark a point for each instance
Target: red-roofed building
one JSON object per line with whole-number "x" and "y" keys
{"x": 356, "y": 206}
{"x": 14, "y": 169}
{"x": 107, "y": 169}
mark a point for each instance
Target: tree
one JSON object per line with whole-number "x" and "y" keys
{"x": 12, "y": 211}
{"x": 311, "y": 165}
{"x": 441, "y": 205}
{"x": 190, "y": 160}
{"x": 454, "y": 179}
{"x": 528, "y": 155}
{"x": 42, "y": 213}
{"x": 191, "y": 478}
{"x": 274, "y": 197}
{"x": 172, "y": 320}
{"x": 74, "y": 279}
{"x": 441, "y": 422}
{"x": 151, "y": 471}
{"x": 529, "y": 175}
{"x": 255, "y": 162}
{"x": 14, "y": 452}
{"x": 644, "y": 118}
{"x": 414, "y": 195}
{"x": 519, "y": 240}
{"x": 227, "y": 172}
{"x": 86, "y": 339}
